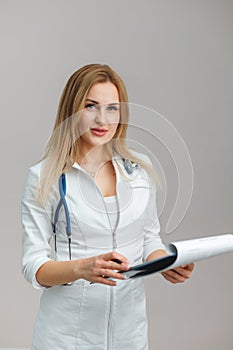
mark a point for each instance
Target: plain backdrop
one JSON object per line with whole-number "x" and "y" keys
{"x": 175, "y": 57}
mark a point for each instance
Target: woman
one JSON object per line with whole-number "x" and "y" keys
{"x": 110, "y": 192}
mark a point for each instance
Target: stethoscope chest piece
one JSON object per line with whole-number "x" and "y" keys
{"x": 129, "y": 165}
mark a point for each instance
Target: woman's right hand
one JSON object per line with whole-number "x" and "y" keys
{"x": 94, "y": 269}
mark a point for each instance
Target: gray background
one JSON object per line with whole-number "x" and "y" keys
{"x": 175, "y": 57}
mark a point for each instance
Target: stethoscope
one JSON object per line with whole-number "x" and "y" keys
{"x": 129, "y": 167}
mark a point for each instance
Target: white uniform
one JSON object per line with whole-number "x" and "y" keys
{"x": 85, "y": 316}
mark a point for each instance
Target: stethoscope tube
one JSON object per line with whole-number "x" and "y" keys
{"x": 62, "y": 191}
{"x": 129, "y": 167}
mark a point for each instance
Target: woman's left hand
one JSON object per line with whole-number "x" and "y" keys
{"x": 179, "y": 274}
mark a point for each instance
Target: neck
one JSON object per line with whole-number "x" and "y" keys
{"x": 94, "y": 156}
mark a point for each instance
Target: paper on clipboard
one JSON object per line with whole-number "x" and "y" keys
{"x": 202, "y": 248}
{"x": 184, "y": 252}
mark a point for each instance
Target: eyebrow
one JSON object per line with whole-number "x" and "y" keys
{"x": 109, "y": 104}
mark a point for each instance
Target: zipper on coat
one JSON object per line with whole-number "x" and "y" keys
{"x": 110, "y": 321}
{"x": 114, "y": 246}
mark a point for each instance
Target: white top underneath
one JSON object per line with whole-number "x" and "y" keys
{"x": 112, "y": 208}
{"x": 110, "y": 198}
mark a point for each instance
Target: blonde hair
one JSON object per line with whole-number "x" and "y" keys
{"x": 62, "y": 147}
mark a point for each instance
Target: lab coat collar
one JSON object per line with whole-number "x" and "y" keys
{"x": 115, "y": 156}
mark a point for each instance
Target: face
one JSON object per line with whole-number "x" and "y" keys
{"x": 100, "y": 117}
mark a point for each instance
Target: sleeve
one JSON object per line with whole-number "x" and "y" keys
{"x": 37, "y": 230}
{"x": 152, "y": 239}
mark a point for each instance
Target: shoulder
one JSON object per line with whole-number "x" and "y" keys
{"x": 141, "y": 156}
{"x": 133, "y": 167}
{"x": 31, "y": 191}
{"x": 146, "y": 168}
{"x": 34, "y": 173}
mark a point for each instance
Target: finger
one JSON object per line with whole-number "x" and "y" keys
{"x": 175, "y": 276}
{"x": 103, "y": 280}
{"x": 190, "y": 267}
{"x": 111, "y": 274}
{"x": 115, "y": 255}
{"x": 170, "y": 278}
{"x": 114, "y": 266}
{"x": 182, "y": 272}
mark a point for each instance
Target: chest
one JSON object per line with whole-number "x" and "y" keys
{"x": 90, "y": 217}
{"x": 105, "y": 179}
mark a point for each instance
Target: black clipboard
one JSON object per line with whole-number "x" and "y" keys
{"x": 149, "y": 267}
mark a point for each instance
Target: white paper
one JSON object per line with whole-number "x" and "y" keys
{"x": 198, "y": 249}
{"x": 186, "y": 252}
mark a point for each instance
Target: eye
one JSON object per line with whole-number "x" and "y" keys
{"x": 90, "y": 106}
{"x": 113, "y": 108}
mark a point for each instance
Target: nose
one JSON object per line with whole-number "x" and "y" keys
{"x": 101, "y": 115}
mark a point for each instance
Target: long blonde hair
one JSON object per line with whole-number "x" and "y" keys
{"x": 62, "y": 148}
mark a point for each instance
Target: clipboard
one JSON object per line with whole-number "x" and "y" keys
{"x": 149, "y": 267}
{"x": 182, "y": 253}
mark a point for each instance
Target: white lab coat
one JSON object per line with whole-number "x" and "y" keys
{"x": 85, "y": 316}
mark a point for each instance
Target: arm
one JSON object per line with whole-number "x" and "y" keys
{"x": 179, "y": 274}
{"x": 37, "y": 230}
{"x": 91, "y": 269}
{"x": 153, "y": 246}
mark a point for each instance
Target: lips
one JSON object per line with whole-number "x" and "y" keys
{"x": 99, "y": 131}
